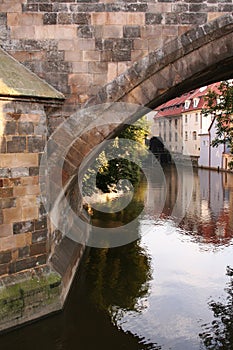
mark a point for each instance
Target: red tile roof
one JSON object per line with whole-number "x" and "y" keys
{"x": 176, "y": 106}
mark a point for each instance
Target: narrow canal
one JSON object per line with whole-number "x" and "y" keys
{"x": 171, "y": 289}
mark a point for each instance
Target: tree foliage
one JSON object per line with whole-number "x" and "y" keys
{"x": 105, "y": 174}
{"x": 220, "y": 106}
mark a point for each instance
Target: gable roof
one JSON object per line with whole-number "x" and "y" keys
{"x": 176, "y": 106}
{"x": 17, "y": 81}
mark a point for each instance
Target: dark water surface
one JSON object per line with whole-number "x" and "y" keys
{"x": 171, "y": 289}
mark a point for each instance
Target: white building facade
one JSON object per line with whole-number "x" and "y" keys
{"x": 194, "y": 122}
{"x": 211, "y": 157}
{"x": 187, "y": 132}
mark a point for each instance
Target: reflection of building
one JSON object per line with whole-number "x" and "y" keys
{"x": 228, "y": 204}
{"x": 211, "y": 222}
{"x": 199, "y": 201}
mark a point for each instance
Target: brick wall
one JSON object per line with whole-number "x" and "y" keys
{"x": 78, "y": 46}
{"x": 23, "y": 224}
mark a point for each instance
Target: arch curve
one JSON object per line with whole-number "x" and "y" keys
{"x": 200, "y": 56}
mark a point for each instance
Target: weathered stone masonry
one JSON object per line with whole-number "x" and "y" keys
{"x": 79, "y": 46}
{"x": 27, "y": 283}
{"x": 23, "y": 227}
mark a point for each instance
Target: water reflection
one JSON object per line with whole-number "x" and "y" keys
{"x": 164, "y": 291}
{"x": 219, "y": 334}
{"x": 118, "y": 279}
{"x": 210, "y": 216}
{"x": 204, "y": 199}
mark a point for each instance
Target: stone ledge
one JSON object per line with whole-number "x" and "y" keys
{"x": 13, "y": 85}
{"x": 29, "y": 295}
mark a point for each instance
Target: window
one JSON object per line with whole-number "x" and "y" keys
{"x": 170, "y": 123}
{"x": 160, "y": 124}
{"x": 204, "y": 143}
{"x": 176, "y": 122}
{"x": 170, "y": 136}
{"x": 164, "y": 136}
{"x": 176, "y": 137}
{"x": 196, "y": 117}
{"x": 186, "y": 104}
{"x": 186, "y": 136}
{"x": 186, "y": 118}
{"x": 195, "y": 102}
{"x": 194, "y": 135}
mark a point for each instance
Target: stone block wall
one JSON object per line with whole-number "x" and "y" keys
{"x": 23, "y": 223}
{"x": 78, "y": 46}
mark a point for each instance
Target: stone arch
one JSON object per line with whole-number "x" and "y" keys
{"x": 200, "y": 56}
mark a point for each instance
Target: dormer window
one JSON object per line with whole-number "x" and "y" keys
{"x": 187, "y": 104}
{"x": 195, "y": 102}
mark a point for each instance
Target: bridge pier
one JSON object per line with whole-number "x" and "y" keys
{"x": 37, "y": 265}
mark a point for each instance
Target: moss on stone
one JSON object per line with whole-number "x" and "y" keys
{"x": 32, "y": 293}
{"x": 15, "y": 290}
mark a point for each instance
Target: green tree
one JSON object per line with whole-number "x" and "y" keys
{"x": 220, "y": 106}
{"x": 107, "y": 174}
{"x": 137, "y": 131}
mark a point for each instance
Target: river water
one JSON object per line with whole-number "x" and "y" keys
{"x": 170, "y": 289}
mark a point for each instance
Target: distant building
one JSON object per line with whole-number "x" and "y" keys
{"x": 187, "y": 132}
{"x": 194, "y": 123}
{"x": 168, "y": 124}
{"x": 211, "y": 157}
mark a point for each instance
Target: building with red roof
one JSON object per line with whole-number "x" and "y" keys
{"x": 180, "y": 122}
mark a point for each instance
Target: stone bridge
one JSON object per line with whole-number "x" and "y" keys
{"x": 88, "y": 53}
